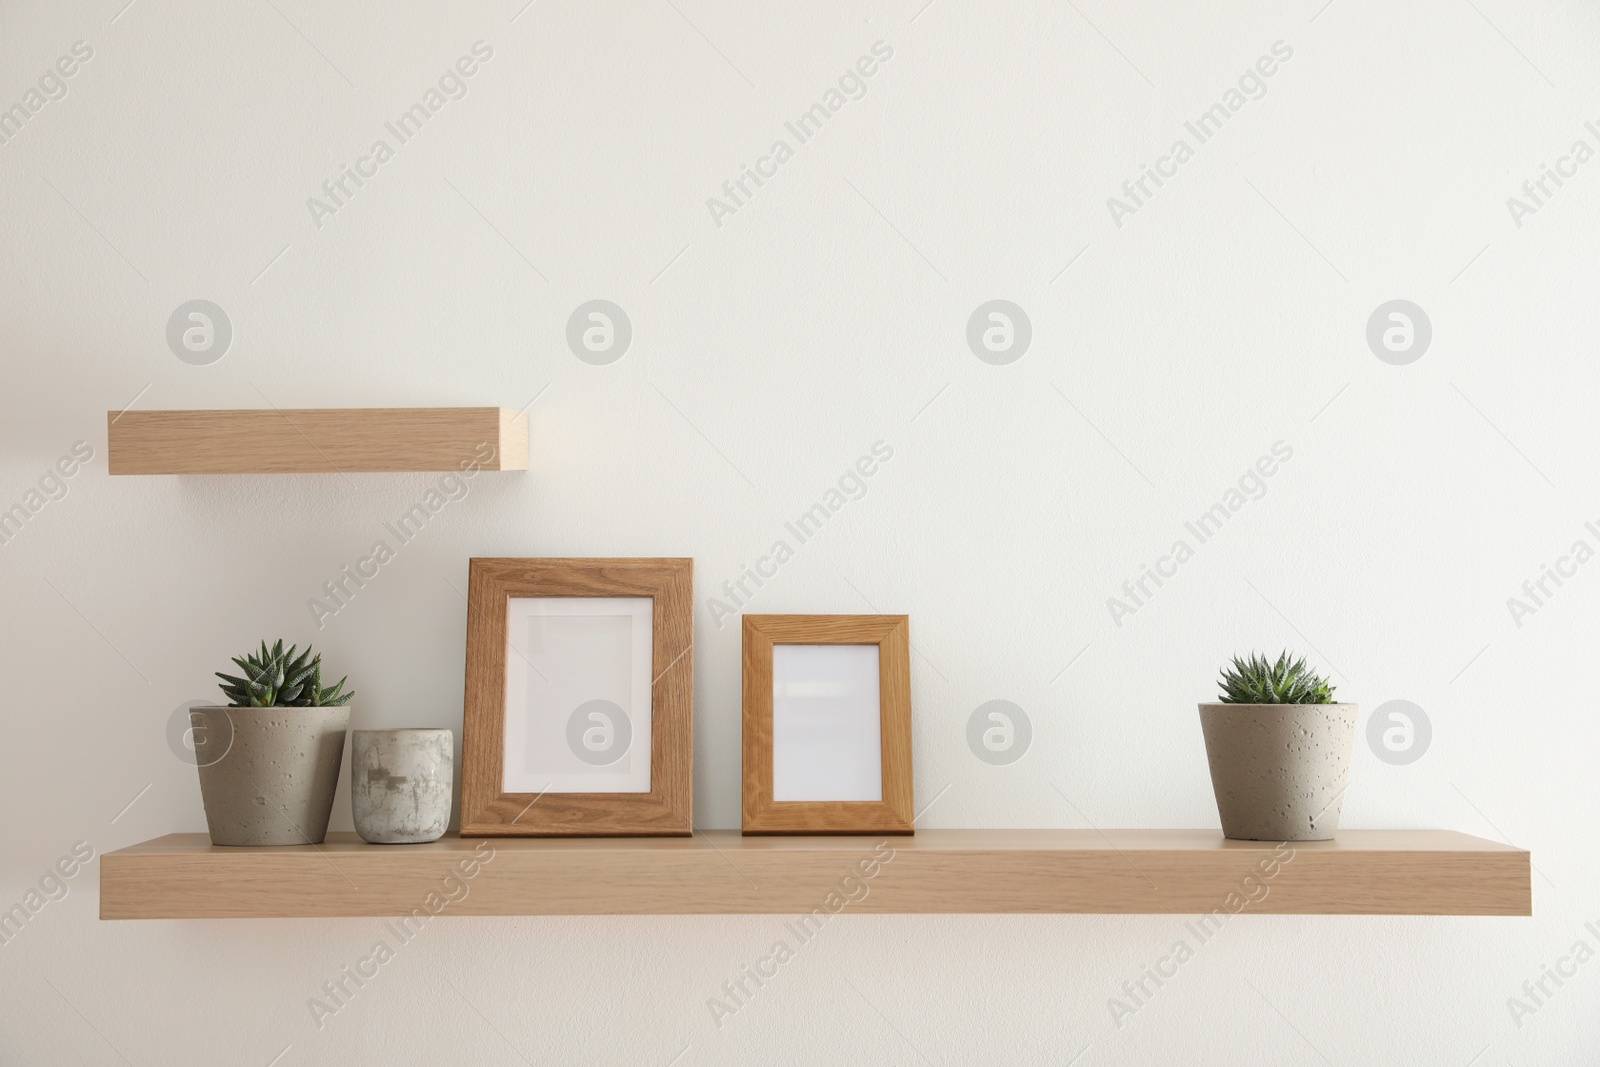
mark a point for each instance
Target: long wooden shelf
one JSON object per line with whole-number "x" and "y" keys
{"x": 1363, "y": 872}
{"x": 316, "y": 440}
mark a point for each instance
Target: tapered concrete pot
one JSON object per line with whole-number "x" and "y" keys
{"x": 268, "y": 775}
{"x": 1279, "y": 770}
{"x": 400, "y": 784}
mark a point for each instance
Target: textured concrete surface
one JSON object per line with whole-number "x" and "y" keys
{"x": 400, "y": 784}
{"x": 274, "y": 779}
{"x": 1279, "y": 770}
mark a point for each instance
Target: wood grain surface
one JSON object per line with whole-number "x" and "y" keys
{"x": 893, "y": 814}
{"x": 667, "y": 809}
{"x": 1361, "y": 872}
{"x": 316, "y": 440}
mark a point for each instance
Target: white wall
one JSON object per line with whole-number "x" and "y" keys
{"x": 828, "y": 313}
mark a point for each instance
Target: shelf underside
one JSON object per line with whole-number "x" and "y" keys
{"x": 1362, "y": 872}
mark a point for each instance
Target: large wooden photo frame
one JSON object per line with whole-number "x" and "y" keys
{"x": 818, "y": 703}
{"x": 612, "y": 638}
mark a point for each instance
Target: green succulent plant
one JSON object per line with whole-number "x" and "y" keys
{"x": 1259, "y": 680}
{"x": 274, "y": 678}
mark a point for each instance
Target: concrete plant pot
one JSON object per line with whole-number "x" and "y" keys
{"x": 400, "y": 784}
{"x": 1279, "y": 770}
{"x": 268, "y": 775}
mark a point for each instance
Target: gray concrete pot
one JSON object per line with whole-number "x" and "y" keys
{"x": 1279, "y": 770}
{"x": 400, "y": 784}
{"x": 268, "y": 775}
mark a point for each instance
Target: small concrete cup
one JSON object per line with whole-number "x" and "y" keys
{"x": 400, "y": 784}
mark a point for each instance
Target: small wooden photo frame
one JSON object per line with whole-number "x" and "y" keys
{"x": 579, "y": 712}
{"x": 827, "y": 724}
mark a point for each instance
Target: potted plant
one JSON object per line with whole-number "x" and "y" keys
{"x": 269, "y": 761}
{"x": 1279, "y": 748}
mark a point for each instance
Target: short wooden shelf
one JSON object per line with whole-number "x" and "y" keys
{"x": 316, "y": 440}
{"x": 1363, "y": 872}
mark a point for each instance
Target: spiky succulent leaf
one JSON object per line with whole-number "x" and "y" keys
{"x": 308, "y": 698}
{"x": 332, "y": 698}
{"x": 1258, "y": 680}
{"x": 275, "y": 678}
{"x": 298, "y": 668}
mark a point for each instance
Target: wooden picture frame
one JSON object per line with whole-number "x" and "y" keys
{"x": 763, "y": 812}
{"x": 662, "y": 801}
